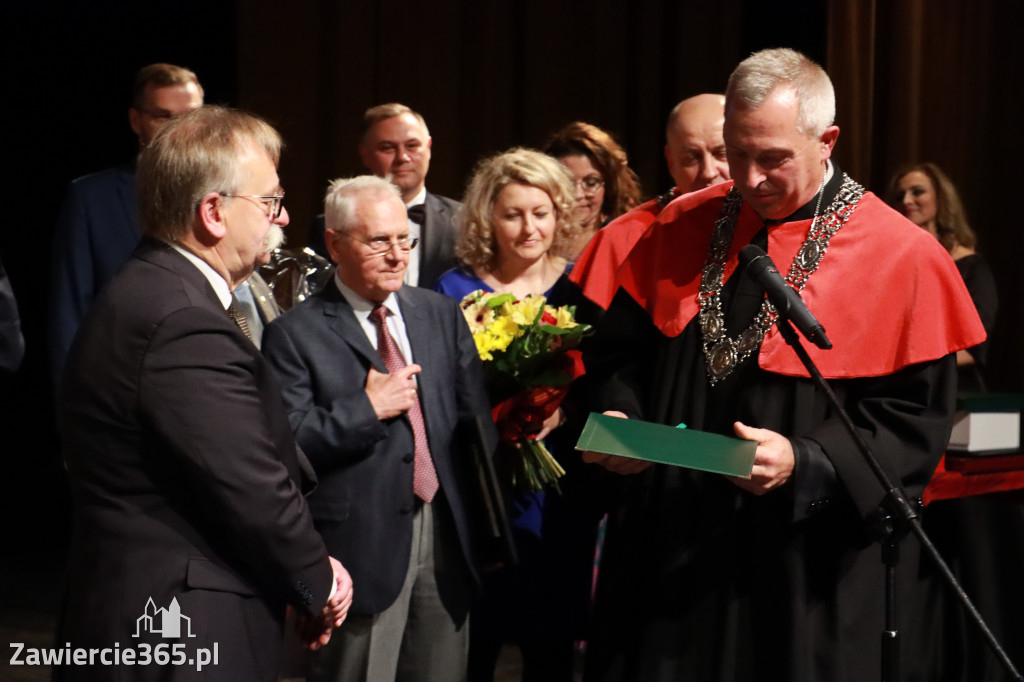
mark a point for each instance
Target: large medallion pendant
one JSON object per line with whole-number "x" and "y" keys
{"x": 721, "y": 359}
{"x": 721, "y": 353}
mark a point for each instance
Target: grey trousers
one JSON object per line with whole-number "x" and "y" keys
{"x": 413, "y": 640}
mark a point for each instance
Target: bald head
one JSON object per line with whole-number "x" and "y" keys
{"x": 694, "y": 148}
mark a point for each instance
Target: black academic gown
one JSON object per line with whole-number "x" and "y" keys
{"x": 703, "y": 581}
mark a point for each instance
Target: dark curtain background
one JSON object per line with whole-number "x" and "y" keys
{"x": 940, "y": 80}
{"x": 916, "y": 80}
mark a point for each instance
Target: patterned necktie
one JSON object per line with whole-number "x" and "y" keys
{"x": 424, "y": 478}
{"x": 235, "y": 313}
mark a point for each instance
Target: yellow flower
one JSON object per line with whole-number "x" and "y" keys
{"x": 481, "y": 347}
{"x": 496, "y": 336}
{"x": 525, "y": 311}
{"x": 564, "y": 317}
{"x": 503, "y": 330}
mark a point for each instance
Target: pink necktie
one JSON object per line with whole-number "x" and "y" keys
{"x": 424, "y": 477}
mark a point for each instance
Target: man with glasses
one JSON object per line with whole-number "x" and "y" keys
{"x": 396, "y": 145}
{"x": 98, "y": 225}
{"x": 186, "y": 479}
{"x": 375, "y": 376}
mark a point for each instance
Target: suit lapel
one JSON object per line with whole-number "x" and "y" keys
{"x": 417, "y": 327}
{"x": 342, "y": 320}
{"x": 424, "y": 343}
{"x": 435, "y": 212}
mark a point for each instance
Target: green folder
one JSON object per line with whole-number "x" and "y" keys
{"x": 667, "y": 445}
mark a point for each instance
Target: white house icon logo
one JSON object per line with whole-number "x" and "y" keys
{"x": 166, "y": 622}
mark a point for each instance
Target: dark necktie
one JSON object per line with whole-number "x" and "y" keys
{"x": 424, "y": 477}
{"x": 235, "y": 313}
{"x": 417, "y": 213}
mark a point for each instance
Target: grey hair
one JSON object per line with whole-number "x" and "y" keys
{"x": 192, "y": 155}
{"x": 760, "y": 74}
{"x": 340, "y": 202}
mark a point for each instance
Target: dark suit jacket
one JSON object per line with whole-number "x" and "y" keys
{"x": 365, "y": 503}
{"x": 97, "y": 231}
{"x": 185, "y": 476}
{"x": 437, "y": 241}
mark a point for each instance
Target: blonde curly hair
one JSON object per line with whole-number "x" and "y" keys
{"x": 477, "y": 246}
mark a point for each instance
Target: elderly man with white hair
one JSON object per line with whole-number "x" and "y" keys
{"x": 376, "y": 375}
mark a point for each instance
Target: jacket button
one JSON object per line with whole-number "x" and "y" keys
{"x": 406, "y": 509}
{"x": 408, "y": 458}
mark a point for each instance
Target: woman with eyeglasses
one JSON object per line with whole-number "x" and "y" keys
{"x": 606, "y": 187}
{"x": 518, "y": 228}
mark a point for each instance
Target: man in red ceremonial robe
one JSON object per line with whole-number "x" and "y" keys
{"x": 695, "y": 154}
{"x": 775, "y": 577}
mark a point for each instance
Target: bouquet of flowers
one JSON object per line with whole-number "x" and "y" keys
{"x": 528, "y": 349}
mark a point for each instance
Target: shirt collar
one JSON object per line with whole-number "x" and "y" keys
{"x": 420, "y": 198}
{"x": 219, "y": 284}
{"x": 363, "y": 306}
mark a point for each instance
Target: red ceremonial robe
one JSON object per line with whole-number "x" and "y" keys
{"x": 595, "y": 269}
{"x": 701, "y": 580}
{"x": 865, "y": 297}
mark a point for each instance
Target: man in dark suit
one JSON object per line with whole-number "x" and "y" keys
{"x": 191, "y": 529}
{"x": 375, "y": 377}
{"x": 396, "y": 145}
{"x": 98, "y": 225}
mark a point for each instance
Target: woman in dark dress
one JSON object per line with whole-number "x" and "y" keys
{"x": 927, "y": 196}
{"x": 982, "y": 538}
{"x": 518, "y": 227}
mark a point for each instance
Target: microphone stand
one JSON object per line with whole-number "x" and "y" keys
{"x": 898, "y": 517}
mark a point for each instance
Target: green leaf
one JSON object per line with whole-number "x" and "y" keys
{"x": 497, "y": 301}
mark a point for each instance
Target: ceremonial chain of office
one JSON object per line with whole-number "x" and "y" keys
{"x": 722, "y": 353}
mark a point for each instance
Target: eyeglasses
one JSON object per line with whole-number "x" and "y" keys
{"x": 381, "y": 245}
{"x": 158, "y": 114}
{"x": 271, "y": 204}
{"x": 590, "y": 184}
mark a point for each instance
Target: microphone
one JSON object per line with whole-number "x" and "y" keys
{"x": 785, "y": 299}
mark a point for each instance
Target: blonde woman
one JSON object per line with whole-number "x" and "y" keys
{"x": 518, "y": 228}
